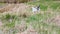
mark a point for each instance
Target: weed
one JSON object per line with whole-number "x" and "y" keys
{"x": 7, "y": 16}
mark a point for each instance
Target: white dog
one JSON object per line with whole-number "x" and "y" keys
{"x": 36, "y": 9}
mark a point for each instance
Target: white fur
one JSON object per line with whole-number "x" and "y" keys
{"x": 34, "y": 9}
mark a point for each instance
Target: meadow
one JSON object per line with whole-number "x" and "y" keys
{"x": 45, "y": 22}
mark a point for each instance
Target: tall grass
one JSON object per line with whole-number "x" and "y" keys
{"x": 38, "y": 21}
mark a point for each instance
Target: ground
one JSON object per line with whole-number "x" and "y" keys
{"x": 19, "y": 18}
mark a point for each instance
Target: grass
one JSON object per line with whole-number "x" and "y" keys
{"x": 43, "y": 6}
{"x": 2, "y": 3}
{"x": 55, "y": 5}
{"x": 38, "y": 20}
{"x": 38, "y": 23}
{"x": 44, "y": 28}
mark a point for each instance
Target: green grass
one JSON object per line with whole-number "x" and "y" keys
{"x": 10, "y": 25}
{"x": 42, "y": 6}
{"x": 38, "y": 20}
{"x": 55, "y": 5}
{"x": 37, "y": 24}
{"x": 2, "y": 3}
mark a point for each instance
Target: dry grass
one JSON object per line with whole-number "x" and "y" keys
{"x": 7, "y": 8}
{"x": 45, "y": 22}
